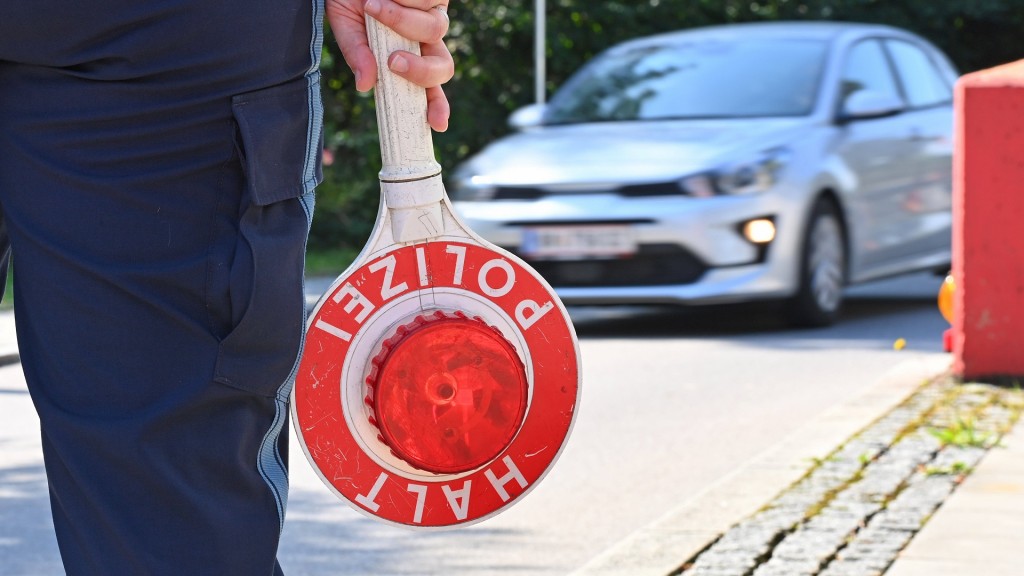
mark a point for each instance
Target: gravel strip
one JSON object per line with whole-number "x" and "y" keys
{"x": 855, "y": 510}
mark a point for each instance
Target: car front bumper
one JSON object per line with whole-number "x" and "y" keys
{"x": 714, "y": 263}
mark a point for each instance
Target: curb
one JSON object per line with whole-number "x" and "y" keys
{"x": 854, "y": 511}
{"x": 978, "y": 530}
{"x": 664, "y": 545}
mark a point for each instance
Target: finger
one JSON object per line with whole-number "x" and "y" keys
{"x": 412, "y": 19}
{"x": 434, "y": 67}
{"x": 349, "y": 29}
{"x": 438, "y": 109}
{"x": 421, "y": 4}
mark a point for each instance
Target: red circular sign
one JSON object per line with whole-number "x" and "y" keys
{"x": 346, "y": 330}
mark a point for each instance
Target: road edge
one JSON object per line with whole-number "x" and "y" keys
{"x": 663, "y": 545}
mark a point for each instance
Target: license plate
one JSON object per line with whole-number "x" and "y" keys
{"x": 567, "y": 242}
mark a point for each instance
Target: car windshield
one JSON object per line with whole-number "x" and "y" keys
{"x": 707, "y": 79}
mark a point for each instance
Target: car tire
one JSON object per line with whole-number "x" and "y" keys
{"x": 819, "y": 299}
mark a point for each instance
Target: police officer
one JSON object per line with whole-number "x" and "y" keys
{"x": 157, "y": 166}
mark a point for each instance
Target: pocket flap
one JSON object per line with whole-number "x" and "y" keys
{"x": 282, "y": 139}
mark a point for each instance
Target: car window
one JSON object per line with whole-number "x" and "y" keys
{"x": 921, "y": 81}
{"x": 710, "y": 78}
{"x": 867, "y": 68}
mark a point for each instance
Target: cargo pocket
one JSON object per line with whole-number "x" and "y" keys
{"x": 279, "y": 142}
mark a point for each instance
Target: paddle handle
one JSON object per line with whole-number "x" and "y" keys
{"x": 406, "y": 148}
{"x": 410, "y": 178}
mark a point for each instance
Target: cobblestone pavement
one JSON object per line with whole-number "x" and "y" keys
{"x": 855, "y": 510}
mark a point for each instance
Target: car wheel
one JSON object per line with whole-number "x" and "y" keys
{"x": 822, "y": 269}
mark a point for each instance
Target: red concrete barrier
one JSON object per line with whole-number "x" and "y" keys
{"x": 988, "y": 225}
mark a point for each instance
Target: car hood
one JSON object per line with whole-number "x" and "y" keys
{"x": 624, "y": 151}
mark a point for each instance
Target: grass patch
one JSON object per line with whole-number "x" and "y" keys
{"x": 955, "y": 469}
{"x": 963, "y": 433}
{"x": 329, "y": 262}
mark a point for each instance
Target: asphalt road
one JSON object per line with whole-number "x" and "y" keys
{"x": 673, "y": 401}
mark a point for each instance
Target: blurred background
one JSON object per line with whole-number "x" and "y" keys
{"x": 493, "y": 45}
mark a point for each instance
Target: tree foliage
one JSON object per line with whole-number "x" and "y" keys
{"x": 493, "y": 42}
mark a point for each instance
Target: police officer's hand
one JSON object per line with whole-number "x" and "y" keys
{"x": 417, "y": 20}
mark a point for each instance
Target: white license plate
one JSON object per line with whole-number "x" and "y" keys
{"x": 567, "y": 242}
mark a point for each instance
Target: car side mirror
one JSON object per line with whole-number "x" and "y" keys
{"x": 527, "y": 116}
{"x": 867, "y": 104}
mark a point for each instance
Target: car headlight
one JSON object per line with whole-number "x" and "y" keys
{"x": 472, "y": 189}
{"x": 751, "y": 177}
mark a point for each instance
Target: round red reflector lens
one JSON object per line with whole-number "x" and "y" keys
{"x": 448, "y": 393}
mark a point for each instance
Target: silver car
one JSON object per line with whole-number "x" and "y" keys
{"x": 728, "y": 164}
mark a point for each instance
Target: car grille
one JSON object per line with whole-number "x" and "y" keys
{"x": 628, "y": 191}
{"x": 652, "y": 265}
{"x": 518, "y": 193}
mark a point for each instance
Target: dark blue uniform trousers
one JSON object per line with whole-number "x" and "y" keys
{"x": 157, "y": 166}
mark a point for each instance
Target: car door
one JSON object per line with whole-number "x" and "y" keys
{"x": 879, "y": 152}
{"x": 926, "y": 211}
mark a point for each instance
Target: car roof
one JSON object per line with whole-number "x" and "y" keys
{"x": 824, "y": 30}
